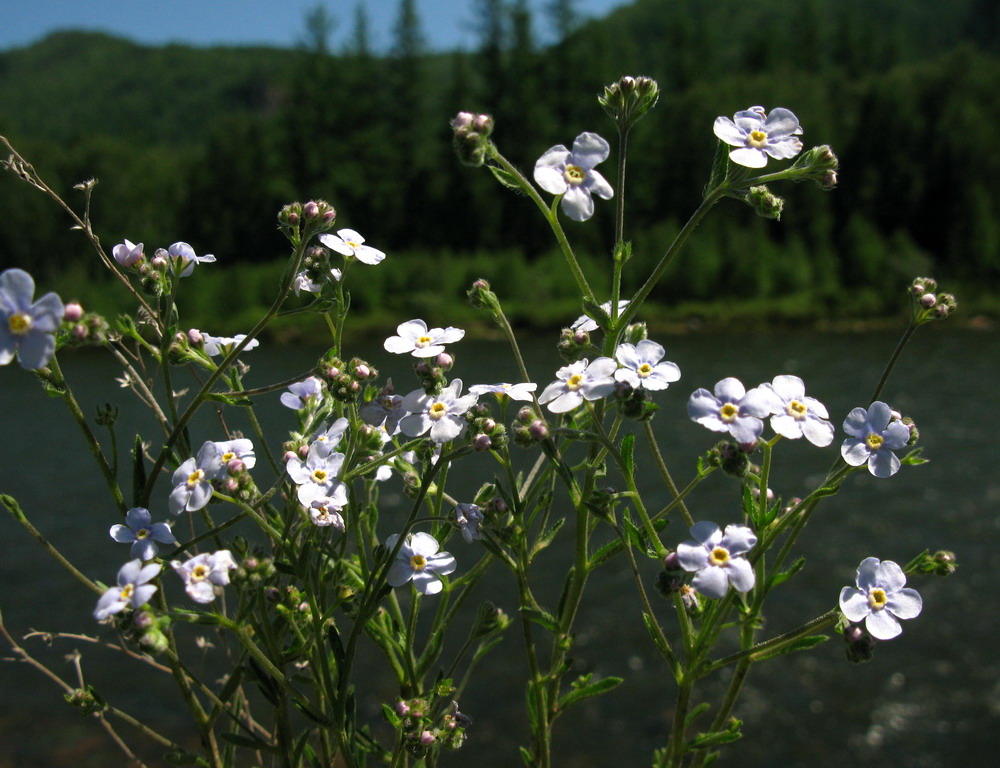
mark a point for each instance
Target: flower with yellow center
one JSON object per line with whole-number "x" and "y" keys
{"x": 731, "y": 408}
{"x": 571, "y": 174}
{"x": 418, "y": 560}
{"x": 350, "y": 243}
{"x": 716, "y": 558}
{"x": 439, "y": 416}
{"x": 577, "y": 382}
{"x": 27, "y": 327}
{"x": 133, "y": 589}
{"x": 880, "y": 598}
{"x": 415, "y": 338}
{"x": 794, "y": 414}
{"x": 203, "y": 573}
{"x": 316, "y": 477}
{"x": 874, "y": 435}
{"x": 758, "y": 135}
{"x": 142, "y": 533}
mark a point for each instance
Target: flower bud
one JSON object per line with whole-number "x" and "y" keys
{"x": 471, "y": 137}
{"x": 444, "y": 361}
{"x": 79, "y": 332}
{"x": 72, "y": 312}
{"x": 427, "y": 738}
{"x": 764, "y": 203}
{"x": 538, "y": 429}
{"x": 928, "y": 300}
{"x": 194, "y": 337}
{"x": 482, "y": 442}
{"x": 672, "y": 562}
{"x": 310, "y": 209}
{"x": 629, "y": 99}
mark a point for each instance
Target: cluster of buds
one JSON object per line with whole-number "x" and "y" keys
{"x": 765, "y": 203}
{"x": 529, "y": 428}
{"x": 431, "y": 372}
{"x": 480, "y": 295}
{"x": 573, "y": 344}
{"x": 927, "y": 303}
{"x": 87, "y": 699}
{"x": 634, "y": 403}
{"x": 300, "y": 221}
{"x": 145, "y": 629}
{"x": 731, "y": 458}
{"x": 316, "y": 266}
{"x": 818, "y": 164}
{"x": 486, "y": 433}
{"x": 471, "y": 137}
{"x": 345, "y": 381}
{"x": 860, "y": 645}
{"x": 629, "y": 99}
{"x": 237, "y": 481}
{"x": 941, "y": 563}
{"x": 255, "y": 570}
{"x": 83, "y": 327}
{"x": 422, "y": 728}
{"x": 672, "y": 580}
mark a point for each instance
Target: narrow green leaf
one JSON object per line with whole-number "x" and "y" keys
{"x": 583, "y": 689}
{"x": 138, "y": 469}
{"x": 542, "y": 618}
{"x": 650, "y": 623}
{"x": 779, "y": 578}
{"x": 802, "y": 644}
{"x": 627, "y": 448}
{"x": 546, "y": 537}
{"x": 506, "y": 178}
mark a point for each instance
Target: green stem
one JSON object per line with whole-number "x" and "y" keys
{"x": 665, "y": 473}
{"x": 904, "y": 339}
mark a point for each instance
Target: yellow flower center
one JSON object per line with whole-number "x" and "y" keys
{"x": 196, "y": 477}
{"x": 19, "y": 323}
{"x": 644, "y": 370}
{"x": 142, "y": 533}
{"x": 418, "y": 562}
{"x": 438, "y": 410}
{"x": 574, "y": 175}
{"x": 127, "y": 592}
{"x": 319, "y": 475}
{"x": 423, "y": 341}
{"x": 874, "y": 442}
{"x": 718, "y": 556}
{"x": 757, "y": 139}
{"x": 797, "y": 410}
{"x": 729, "y": 412}
{"x": 574, "y": 382}
{"x": 200, "y": 572}
{"x": 353, "y": 244}
{"x": 877, "y": 599}
{"x": 228, "y": 456}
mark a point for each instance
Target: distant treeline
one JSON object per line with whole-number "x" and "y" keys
{"x": 205, "y": 145}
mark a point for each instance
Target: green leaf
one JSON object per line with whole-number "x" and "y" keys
{"x": 714, "y": 739}
{"x": 582, "y": 689}
{"x": 138, "y": 469}
{"x": 541, "y": 617}
{"x": 506, "y": 178}
{"x": 802, "y": 644}
{"x": 914, "y": 458}
{"x": 526, "y": 757}
{"x": 720, "y": 167}
{"x": 694, "y": 713}
{"x": 651, "y": 626}
{"x": 234, "y": 399}
{"x": 390, "y": 715}
{"x": 627, "y": 448}
{"x": 779, "y": 578}
{"x": 546, "y": 537}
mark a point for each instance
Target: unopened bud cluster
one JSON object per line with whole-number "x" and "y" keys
{"x": 255, "y": 570}
{"x": 573, "y": 345}
{"x": 529, "y": 428}
{"x": 486, "y": 434}
{"x": 765, "y": 203}
{"x": 345, "y": 381}
{"x": 300, "y": 221}
{"x": 79, "y": 327}
{"x": 628, "y": 99}
{"x": 818, "y": 164}
{"x": 941, "y": 563}
{"x": 471, "y": 133}
{"x": 431, "y": 372}
{"x": 422, "y": 729}
{"x": 928, "y": 304}
{"x": 731, "y": 458}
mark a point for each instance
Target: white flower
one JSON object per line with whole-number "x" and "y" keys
{"x": 642, "y": 367}
{"x": 758, "y": 135}
{"x": 142, "y": 533}
{"x": 797, "y": 415}
{"x": 303, "y": 282}
{"x": 132, "y": 589}
{"x": 332, "y": 435}
{"x": 441, "y": 414}
{"x": 715, "y": 558}
{"x": 572, "y": 174}
{"x": 880, "y": 598}
{"x": 579, "y": 381}
{"x": 348, "y": 243}
{"x": 415, "y": 338}
{"x": 222, "y": 345}
{"x": 127, "y": 254}
{"x": 317, "y": 475}
{"x": 227, "y": 451}
{"x": 588, "y": 324}
{"x": 325, "y": 510}
{"x": 202, "y": 573}
{"x": 192, "y": 480}
{"x": 418, "y": 560}
{"x": 520, "y": 391}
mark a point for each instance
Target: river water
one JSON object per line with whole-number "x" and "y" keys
{"x": 929, "y": 698}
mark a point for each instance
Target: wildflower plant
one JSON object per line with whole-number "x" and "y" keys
{"x": 337, "y": 567}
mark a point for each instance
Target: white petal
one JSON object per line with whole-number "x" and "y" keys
{"x": 748, "y": 157}
{"x": 741, "y": 574}
{"x": 711, "y": 581}
{"x": 727, "y": 131}
{"x": 577, "y": 204}
{"x": 882, "y": 625}
{"x": 905, "y": 604}
{"x": 854, "y": 603}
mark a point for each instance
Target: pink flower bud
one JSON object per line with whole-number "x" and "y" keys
{"x": 581, "y": 338}
{"x": 231, "y": 485}
{"x": 489, "y": 425}
{"x": 310, "y": 209}
{"x": 538, "y": 429}
{"x": 426, "y": 738}
{"x": 402, "y": 708}
{"x": 235, "y": 466}
{"x": 303, "y": 451}
{"x": 329, "y": 216}
{"x": 293, "y": 218}
{"x": 362, "y": 371}
{"x": 73, "y": 312}
{"x": 288, "y": 455}
{"x": 195, "y": 337}
{"x": 482, "y": 442}
{"x": 928, "y": 300}
{"x": 445, "y": 360}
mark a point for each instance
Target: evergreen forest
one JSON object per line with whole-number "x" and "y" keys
{"x": 206, "y": 144}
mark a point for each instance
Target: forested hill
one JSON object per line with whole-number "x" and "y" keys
{"x": 205, "y": 144}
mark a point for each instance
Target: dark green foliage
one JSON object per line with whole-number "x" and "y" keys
{"x": 204, "y": 145}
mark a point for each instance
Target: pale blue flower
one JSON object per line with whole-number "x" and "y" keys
{"x": 142, "y": 533}
{"x": 440, "y": 415}
{"x": 579, "y": 381}
{"x": 384, "y": 410}
{"x": 348, "y": 242}
{"x": 223, "y": 345}
{"x": 203, "y": 573}
{"x": 127, "y": 254}
{"x": 758, "y": 135}
{"x": 795, "y": 414}
{"x": 303, "y": 393}
{"x": 731, "y": 409}
{"x": 419, "y": 561}
{"x": 133, "y": 589}
{"x": 468, "y": 518}
{"x": 184, "y": 258}
{"x": 27, "y": 328}
{"x": 416, "y": 339}
{"x": 874, "y": 437}
{"x": 880, "y": 598}
{"x": 326, "y": 510}
{"x": 641, "y": 366}
{"x": 192, "y": 480}
{"x": 715, "y": 558}
{"x": 227, "y": 451}
{"x": 331, "y": 436}
{"x": 572, "y": 175}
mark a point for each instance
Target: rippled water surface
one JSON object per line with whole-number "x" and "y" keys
{"x": 929, "y": 698}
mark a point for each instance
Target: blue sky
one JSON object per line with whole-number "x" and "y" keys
{"x": 446, "y": 23}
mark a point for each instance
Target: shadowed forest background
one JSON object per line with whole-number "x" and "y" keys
{"x": 206, "y": 144}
